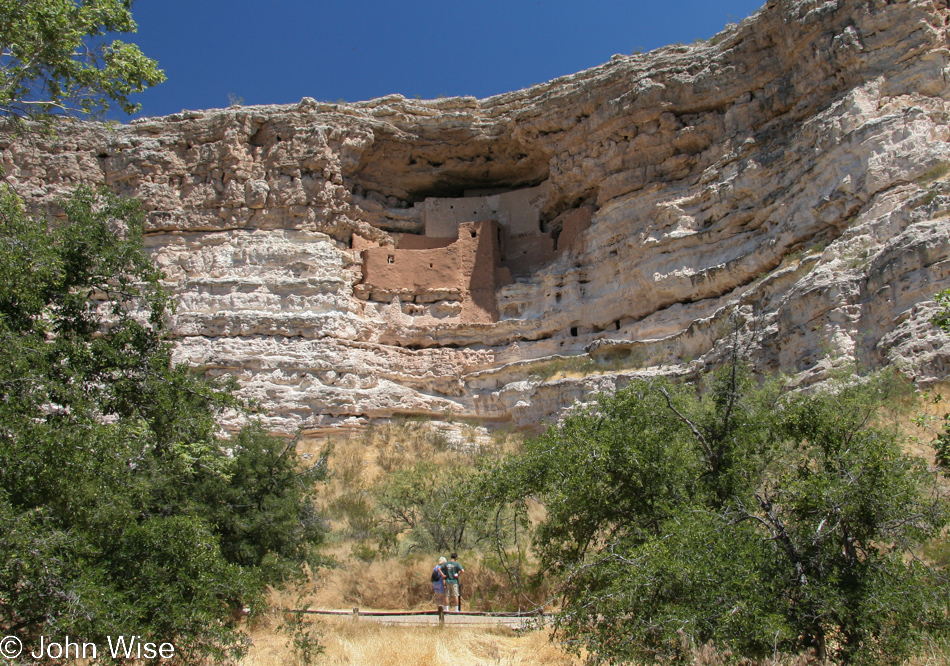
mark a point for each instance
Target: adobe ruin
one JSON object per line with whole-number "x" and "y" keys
{"x": 472, "y": 246}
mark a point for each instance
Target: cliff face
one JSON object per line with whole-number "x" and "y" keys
{"x": 791, "y": 171}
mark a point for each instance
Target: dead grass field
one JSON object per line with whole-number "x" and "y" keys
{"x": 370, "y": 644}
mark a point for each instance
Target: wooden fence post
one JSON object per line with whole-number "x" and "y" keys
{"x": 356, "y": 614}
{"x": 441, "y": 614}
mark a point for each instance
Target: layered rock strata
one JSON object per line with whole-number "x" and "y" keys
{"x": 790, "y": 174}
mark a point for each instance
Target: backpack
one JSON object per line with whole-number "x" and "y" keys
{"x": 435, "y": 575}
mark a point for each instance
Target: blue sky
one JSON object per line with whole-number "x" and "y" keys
{"x": 278, "y": 51}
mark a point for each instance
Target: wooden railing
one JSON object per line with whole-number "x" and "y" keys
{"x": 441, "y": 612}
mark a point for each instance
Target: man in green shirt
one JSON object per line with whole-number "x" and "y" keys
{"x": 452, "y": 571}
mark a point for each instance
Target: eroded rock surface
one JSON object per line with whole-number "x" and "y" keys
{"x": 792, "y": 170}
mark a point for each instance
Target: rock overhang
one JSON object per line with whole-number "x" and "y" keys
{"x": 773, "y": 173}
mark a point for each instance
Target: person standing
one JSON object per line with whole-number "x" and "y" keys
{"x": 438, "y": 583}
{"x": 452, "y": 571}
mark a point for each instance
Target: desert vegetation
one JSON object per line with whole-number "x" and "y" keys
{"x": 394, "y": 502}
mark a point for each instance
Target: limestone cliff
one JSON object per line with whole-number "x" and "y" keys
{"x": 792, "y": 169}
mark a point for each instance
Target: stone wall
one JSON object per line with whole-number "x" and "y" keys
{"x": 572, "y": 226}
{"x": 517, "y": 211}
{"x": 525, "y": 254}
{"x": 411, "y": 272}
{"x": 465, "y": 272}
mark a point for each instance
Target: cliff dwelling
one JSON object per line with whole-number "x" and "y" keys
{"x": 472, "y": 246}
{"x": 793, "y": 173}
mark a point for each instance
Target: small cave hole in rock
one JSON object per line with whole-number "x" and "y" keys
{"x": 573, "y": 331}
{"x": 617, "y": 325}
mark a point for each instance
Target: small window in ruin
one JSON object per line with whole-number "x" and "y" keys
{"x": 391, "y": 259}
{"x": 617, "y": 324}
{"x": 474, "y": 234}
{"x": 573, "y": 331}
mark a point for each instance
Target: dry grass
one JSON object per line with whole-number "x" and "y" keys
{"x": 923, "y": 421}
{"x": 369, "y": 644}
{"x": 374, "y": 580}
{"x": 366, "y": 643}
{"x": 398, "y": 584}
{"x": 360, "y": 461}
{"x": 377, "y": 585}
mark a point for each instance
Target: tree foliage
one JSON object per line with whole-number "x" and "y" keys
{"x": 942, "y": 317}
{"x": 941, "y": 444}
{"x": 122, "y": 509}
{"x": 56, "y": 58}
{"x": 761, "y": 521}
{"x": 422, "y": 502}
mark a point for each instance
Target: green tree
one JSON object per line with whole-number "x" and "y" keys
{"x": 941, "y": 443}
{"x": 737, "y": 514}
{"x": 122, "y": 509}
{"x": 422, "y": 501}
{"x": 942, "y": 318}
{"x": 56, "y": 57}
